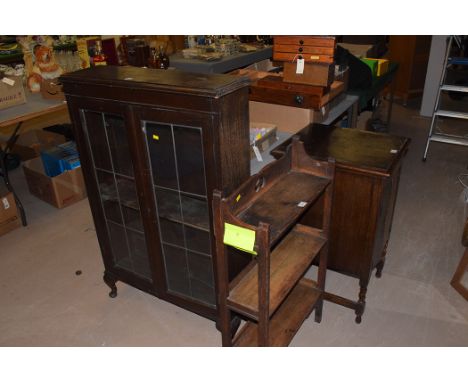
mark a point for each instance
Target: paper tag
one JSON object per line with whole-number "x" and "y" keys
{"x": 301, "y": 204}
{"x": 6, "y": 204}
{"x": 300, "y": 66}
{"x": 8, "y": 81}
{"x": 393, "y": 151}
{"x": 238, "y": 197}
{"x": 156, "y": 137}
{"x": 315, "y": 57}
{"x": 239, "y": 237}
{"x": 257, "y": 153}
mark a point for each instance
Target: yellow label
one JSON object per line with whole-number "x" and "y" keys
{"x": 315, "y": 57}
{"x": 156, "y": 137}
{"x": 238, "y": 197}
{"x": 239, "y": 237}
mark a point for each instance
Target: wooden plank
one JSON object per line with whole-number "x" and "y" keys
{"x": 287, "y": 320}
{"x": 289, "y": 260}
{"x": 278, "y": 205}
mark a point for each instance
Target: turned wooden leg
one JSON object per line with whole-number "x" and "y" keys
{"x": 110, "y": 280}
{"x": 361, "y": 304}
{"x": 318, "y": 312}
{"x": 379, "y": 267}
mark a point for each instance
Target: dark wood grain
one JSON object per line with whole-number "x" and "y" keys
{"x": 368, "y": 167}
{"x": 172, "y": 81}
{"x": 278, "y": 206}
{"x": 267, "y": 205}
{"x": 288, "y": 261}
{"x": 215, "y": 107}
{"x": 297, "y": 95}
{"x": 287, "y": 320}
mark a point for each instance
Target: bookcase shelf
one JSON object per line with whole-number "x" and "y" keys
{"x": 271, "y": 294}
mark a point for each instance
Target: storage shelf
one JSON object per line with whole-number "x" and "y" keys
{"x": 278, "y": 206}
{"x": 287, "y": 320}
{"x": 288, "y": 262}
{"x": 194, "y": 211}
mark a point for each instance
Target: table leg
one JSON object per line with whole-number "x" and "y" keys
{"x": 392, "y": 93}
{"x": 4, "y": 167}
{"x": 352, "y": 115}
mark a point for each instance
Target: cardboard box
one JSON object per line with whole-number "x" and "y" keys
{"x": 9, "y": 217}
{"x": 11, "y": 92}
{"x": 29, "y": 144}
{"x": 286, "y": 118}
{"x": 60, "y": 191}
{"x": 264, "y": 135}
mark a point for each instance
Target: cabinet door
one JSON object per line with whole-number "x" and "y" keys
{"x": 176, "y": 145}
{"x": 103, "y": 136}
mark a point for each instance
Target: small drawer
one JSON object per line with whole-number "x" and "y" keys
{"x": 314, "y": 74}
{"x": 318, "y": 41}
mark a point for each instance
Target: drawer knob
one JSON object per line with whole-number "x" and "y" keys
{"x": 301, "y": 42}
{"x": 300, "y": 50}
{"x": 299, "y": 99}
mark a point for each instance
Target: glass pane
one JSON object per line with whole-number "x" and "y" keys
{"x": 188, "y": 142}
{"x": 171, "y": 232}
{"x": 195, "y": 212}
{"x": 137, "y": 245}
{"x": 120, "y": 151}
{"x": 200, "y": 268}
{"x": 168, "y": 204}
{"x": 99, "y": 147}
{"x": 127, "y": 192}
{"x": 197, "y": 240}
{"x": 161, "y": 153}
{"x": 201, "y": 277}
{"x": 176, "y": 270}
{"x": 119, "y": 246}
{"x": 203, "y": 292}
{"x": 132, "y": 218}
{"x": 109, "y": 196}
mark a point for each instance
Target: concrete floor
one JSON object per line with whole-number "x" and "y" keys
{"x": 44, "y": 303}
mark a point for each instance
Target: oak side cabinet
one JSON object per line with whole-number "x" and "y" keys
{"x": 367, "y": 174}
{"x": 153, "y": 145}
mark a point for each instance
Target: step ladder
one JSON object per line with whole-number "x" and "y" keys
{"x": 435, "y": 136}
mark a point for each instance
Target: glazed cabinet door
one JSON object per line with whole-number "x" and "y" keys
{"x": 104, "y": 135}
{"x": 179, "y": 152}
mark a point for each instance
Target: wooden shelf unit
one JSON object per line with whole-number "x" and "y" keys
{"x": 271, "y": 293}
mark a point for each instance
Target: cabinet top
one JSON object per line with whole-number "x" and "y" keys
{"x": 367, "y": 151}
{"x": 210, "y": 85}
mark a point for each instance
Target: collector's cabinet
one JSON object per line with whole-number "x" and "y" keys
{"x": 153, "y": 146}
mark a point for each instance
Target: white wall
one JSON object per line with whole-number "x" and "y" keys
{"x": 434, "y": 71}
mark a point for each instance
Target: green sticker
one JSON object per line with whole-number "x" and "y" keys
{"x": 239, "y": 237}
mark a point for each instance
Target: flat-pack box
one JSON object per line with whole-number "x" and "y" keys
{"x": 61, "y": 190}
{"x": 9, "y": 217}
{"x": 286, "y": 118}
